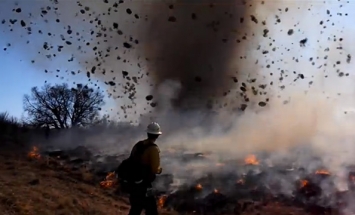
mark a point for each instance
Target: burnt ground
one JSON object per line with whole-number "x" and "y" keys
{"x": 43, "y": 186}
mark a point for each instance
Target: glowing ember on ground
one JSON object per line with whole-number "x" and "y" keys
{"x": 251, "y": 160}
{"x": 220, "y": 164}
{"x": 240, "y": 181}
{"x": 199, "y": 187}
{"x": 34, "y": 153}
{"x": 161, "y": 201}
{"x": 322, "y": 172}
{"x": 109, "y": 181}
{"x": 304, "y": 183}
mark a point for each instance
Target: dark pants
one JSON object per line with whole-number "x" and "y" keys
{"x": 140, "y": 201}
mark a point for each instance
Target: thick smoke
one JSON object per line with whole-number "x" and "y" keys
{"x": 195, "y": 43}
{"x": 311, "y": 106}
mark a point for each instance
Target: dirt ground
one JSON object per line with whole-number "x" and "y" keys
{"x": 39, "y": 187}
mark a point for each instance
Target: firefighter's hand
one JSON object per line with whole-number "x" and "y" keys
{"x": 160, "y": 170}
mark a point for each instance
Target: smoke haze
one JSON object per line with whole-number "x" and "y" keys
{"x": 286, "y": 64}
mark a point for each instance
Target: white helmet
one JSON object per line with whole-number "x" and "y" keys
{"x": 154, "y": 128}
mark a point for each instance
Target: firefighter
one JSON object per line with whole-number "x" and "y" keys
{"x": 141, "y": 197}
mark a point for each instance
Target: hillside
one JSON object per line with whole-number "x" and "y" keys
{"x": 33, "y": 187}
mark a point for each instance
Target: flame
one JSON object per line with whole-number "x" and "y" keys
{"x": 215, "y": 191}
{"x": 198, "y": 187}
{"x": 251, "y": 160}
{"x": 240, "y": 181}
{"x": 322, "y": 172}
{"x": 161, "y": 201}
{"x": 304, "y": 183}
{"x": 109, "y": 181}
{"x": 34, "y": 153}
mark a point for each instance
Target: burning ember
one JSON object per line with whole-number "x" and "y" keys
{"x": 208, "y": 194}
{"x": 304, "y": 183}
{"x": 161, "y": 201}
{"x": 199, "y": 187}
{"x": 240, "y": 181}
{"x": 251, "y": 160}
{"x": 110, "y": 180}
{"x": 322, "y": 172}
{"x": 220, "y": 164}
{"x": 34, "y": 153}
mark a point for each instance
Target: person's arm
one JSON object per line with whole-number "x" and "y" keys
{"x": 154, "y": 159}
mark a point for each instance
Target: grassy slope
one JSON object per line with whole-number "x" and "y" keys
{"x": 35, "y": 188}
{"x": 41, "y": 187}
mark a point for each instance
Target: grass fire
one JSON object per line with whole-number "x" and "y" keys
{"x": 109, "y": 181}
{"x": 255, "y": 185}
{"x": 34, "y": 153}
{"x": 177, "y": 107}
{"x": 251, "y": 160}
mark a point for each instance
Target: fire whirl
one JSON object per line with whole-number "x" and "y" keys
{"x": 34, "y": 153}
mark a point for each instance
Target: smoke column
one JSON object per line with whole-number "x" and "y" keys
{"x": 201, "y": 47}
{"x": 195, "y": 45}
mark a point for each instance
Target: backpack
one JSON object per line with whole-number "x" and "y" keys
{"x": 131, "y": 171}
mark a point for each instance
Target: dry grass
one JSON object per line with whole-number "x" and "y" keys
{"x": 32, "y": 188}
{"x": 43, "y": 187}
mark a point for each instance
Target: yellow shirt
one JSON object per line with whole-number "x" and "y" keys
{"x": 151, "y": 158}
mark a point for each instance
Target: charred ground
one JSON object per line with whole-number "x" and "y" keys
{"x": 35, "y": 181}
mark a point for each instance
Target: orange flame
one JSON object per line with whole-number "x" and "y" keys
{"x": 161, "y": 201}
{"x": 198, "y": 187}
{"x": 304, "y": 183}
{"x": 34, "y": 153}
{"x": 251, "y": 160}
{"x": 322, "y": 172}
{"x": 109, "y": 181}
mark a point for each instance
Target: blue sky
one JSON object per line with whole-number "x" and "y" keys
{"x": 18, "y": 74}
{"x": 18, "y": 77}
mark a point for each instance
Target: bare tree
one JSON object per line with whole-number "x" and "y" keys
{"x": 60, "y": 107}
{"x": 8, "y": 122}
